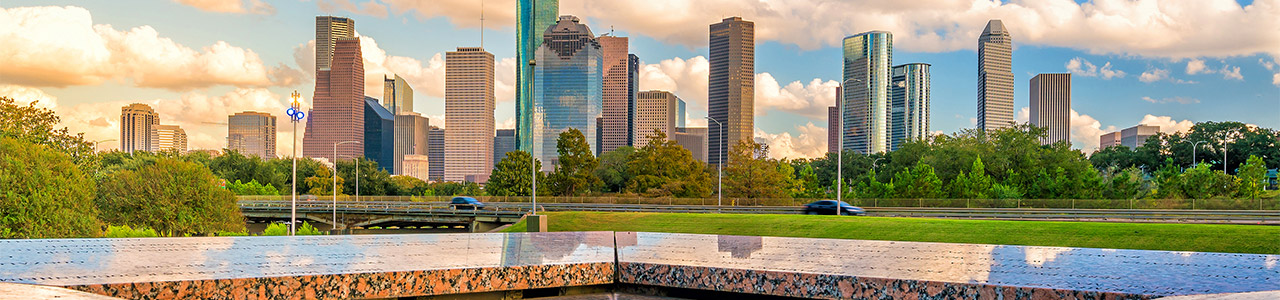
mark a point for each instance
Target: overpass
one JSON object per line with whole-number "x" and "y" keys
{"x": 351, "y": 214}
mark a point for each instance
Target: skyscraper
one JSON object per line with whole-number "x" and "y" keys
{"x": 468, "y": 115}
{"x": 328, "y": 30}
{"x": 868, "y": 59}
{"x": 681, "y": 114}
{"x": 435, "y": 153}
{"x": 619, "y": 98}
{"x": 910, "y": 97}
{"x": 833, "y": 125}
{"x": 503, "y": 141}
{"x": 397, "y": 95}
{"x": 379, "y": 134}
{"x": 1051, "y": 106}
{"x": 731, "y": 85}
{"x": 532, "y": 19}
{"x": 136, "y": 122}
{"x": 168, "y": 137}
{"x": 655, "y": 110}
{"x": 411, "y": 139}
{"x": 995, "y": 77}
{"x": 567, "y": 92}
{"x": 252, "y": 133}
{"x": 337, "y": 112}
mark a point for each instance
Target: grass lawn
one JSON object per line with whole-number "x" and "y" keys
{"x": 1176, "y": 237}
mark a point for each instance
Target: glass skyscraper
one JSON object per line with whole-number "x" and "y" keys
{"x": 379, "y": 134}
{"x": 910, "y": 96}
{"x": 532, "y": 19}
{"x": 568, "y": 89}
{"x": 868, "y": 58}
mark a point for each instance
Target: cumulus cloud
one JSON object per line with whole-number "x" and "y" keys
{"x": 1082, "y": 67}
{"x": 1158, "y": 74}
{"x": 370, "y": 8}
{"x": 1086, "y": 131}
{"x": 1197, "y": 66}
{"x": 809, "y": 100}
{"x": 23, "y": 95}
{"x": 1179, "y": 100}
{"x": 231, "y": 6}
{"x": 687, "y": 78}
{"x": 1167, "y": 124}
{"x": 811, "y": 141}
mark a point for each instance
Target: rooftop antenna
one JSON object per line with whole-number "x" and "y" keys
{"x": 481, "y": 24}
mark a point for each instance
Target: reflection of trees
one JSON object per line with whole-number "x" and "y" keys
{"x": 739, "y": 246}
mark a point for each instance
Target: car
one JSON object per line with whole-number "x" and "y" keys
{"x": 828, "y": 207}
{"x": 466, "y": 203}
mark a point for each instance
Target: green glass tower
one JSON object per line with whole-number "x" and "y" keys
{"x": 533, "y": 17}
{"x": 868, "y": 60}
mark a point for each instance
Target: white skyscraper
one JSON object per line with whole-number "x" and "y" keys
{"x": 1051, "y": 106}
{"x": 136, "y": 122}
{"x": 468, "y": 115}
{"x": 995, "y": 77}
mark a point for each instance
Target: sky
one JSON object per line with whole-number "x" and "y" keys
{"x": 1165, "y": 63}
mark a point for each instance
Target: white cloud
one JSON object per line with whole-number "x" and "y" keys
{"x": 1167, "y": 124}
{"x": 1229, "y": 72}
{"x": 61, "y": 46}
{"x": 1154, "y": 75}
{"x": 1195, "y": 66}
{"x": 509, "y": 123}
{"x": 370, "y": 8}
{"x": 1085, "y": 131}
{"x": 810, "y": 142}
{"x": 1275, "y": 79}
{"x": 1082, "y": 67}
{"x": 504, "y": 86}
{"x": 687, "y": 78}
{"x": 24, "y": 95}
{"x": 809, "y": 100}
{"x": 231, "y": 6}
{"x": 1179, "y": 100}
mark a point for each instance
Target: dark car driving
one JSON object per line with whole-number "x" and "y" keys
{"x": 828, "y": 207}
{"x": 466, "y": 203}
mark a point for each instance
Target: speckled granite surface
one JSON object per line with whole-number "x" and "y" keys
{"x": 17, "y": 291}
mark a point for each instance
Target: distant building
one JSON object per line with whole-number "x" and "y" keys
{"x": 909, "y": 99}
{"x": 567, "y": 87}
{"x": 995, "y": 77}
{"x": 693, "y": 139}
{"x": 681, "y": 115}
{"x": 337, "y": 112}
{"x": 868, "y": 62}
{"x": 532, "y": 19}
{"x": 618, "y": 96}
{"x": 731, "y": 85}
{"x": 252, "y": 134}
{"x": 411, "y": 138}
{"x": 168, "y": 137}
{"x": 1136, "y": 136}
{"x": 1108, "y": 140}
{"x": 833, "y": 127}
{"x": 136, "y": 122}
{"x": 417, "y": 166}
{"x": 397, "y": 95}
{"x": 435, "y": 153}
{"x": 328, "y": 30}
{"x": 655, "y": 110}
{"x": 1051, "y": 106}
{"x": 379, "y": 134}
{"x": 468, "y": 114}
{"x": 503, "y": 141}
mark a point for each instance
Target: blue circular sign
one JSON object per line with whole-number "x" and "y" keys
{"x": 295, "y": 114}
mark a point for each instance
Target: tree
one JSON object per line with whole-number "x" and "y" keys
{"x": 1252, "y": 177}
{"x": 409, "y": 186}
{"x": 574, "y": 172}
{"x": 664, "y": 168}
{"x": 321, "y": 184}
{"x": 45, "y": 194}
{"x": 1125, "y": 184}
{"x": 612, "y": 170}
{"x": 513, "y": 175}
{"x": 807, "y": 184}
{"x": 174, "y": 197}
{"x": 973, "y": 185}
{"x": 234, "y": 166}
{"x": 917, "y": 182}
{"x": 252, "y": 188}
{"x": 751, "y": 174}
{"x": 373, "y": 181}
{"x": 36, "y": 125}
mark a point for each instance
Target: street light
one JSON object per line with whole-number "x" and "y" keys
{"x": 719, "y": 166}
{"x": 335, "y": 179}
{"x": 873, "y": 164}
{"x": 840, "y": 147}
{"x": 1194, "y": 162}
{"x": 533, "y": 145}
{"x": 355, "y": 159}
{"x": 295, "y": 113}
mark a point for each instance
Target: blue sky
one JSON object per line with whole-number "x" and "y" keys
{"x": 1047, "y": 35}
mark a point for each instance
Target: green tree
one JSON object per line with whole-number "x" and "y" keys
{"x": 449, "y": 188}
{"x": 234, "y": 166}
{"x": 917, "y": 182}
{"x": 252, "y": 188}
{"x": 807, "y": 183}
{"x": 373, "y": 180}
{"x": 972, "y": 185}
{"x": 575, "y": 169}
{"x": 1252, "y": 176}
{"x": 36, "y": 125}
{"x": 868, "y": 187}
{"x": 513, "y": 175}
{"x": 612, "y": 170}
{"x": 172, "y": 196}
{"x": 321, "y": 184}
{"x": 409, "y": 186}
{"x": 751, "y": 174}
{"x": 44, "y": 194}
{"x": 664, "y": 168}
{"x": 1125, "y": 184}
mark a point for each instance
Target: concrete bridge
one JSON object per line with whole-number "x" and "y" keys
{"x": 350, "y": 214}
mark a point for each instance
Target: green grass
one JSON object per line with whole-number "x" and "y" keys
{"x": 1148, "y": 236}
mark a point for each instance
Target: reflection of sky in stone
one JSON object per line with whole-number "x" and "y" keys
{"x": 101, "y": 261}
{"x": 1127, "y": 271}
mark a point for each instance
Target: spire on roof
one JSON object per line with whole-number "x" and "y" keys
{"x": 995, "y": 26}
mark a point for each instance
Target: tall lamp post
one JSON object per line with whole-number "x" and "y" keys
{"x": 295, "y": 114}
{"x": 335, "y": 180}
{"x": 1194, "y": 162}
{"x": 355, "y": 159}
{"x": 533, "y": 145}
{"x": 719, "y": 166}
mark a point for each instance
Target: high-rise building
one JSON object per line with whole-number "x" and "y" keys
{"x": 136, "y": 122}
{"x": 168, "y": 137}
{"x": 1051, "y": 106}
{"x": 252, "y": 133}
{"x": 337, "y": 112}
{"x": 567, "y": 89}
{"x": 995, "y": 77}
{"x": 693, "y": 139}
{"x": 655, "y": 110}
{"x": 833, "y": 125}
{"x": 397, "y": 95}
{"x": 681, "y": 114}
{"x": 1136, "y": 136}
{"x": 533, "y": 17}
{"x": 468, "y": 115}
{"x": 909, "y": 104}
{"x": 619, "y": 95}
{"x": 503, "y": 141}
{"x": 868, "y": 60}
{"x": 435, "y": 153}
{"x": 1108, "y": 140}
{"x": 379, "y": 134}
{"x": 329, "y": 30}
{"x": 417, "y": 166}
{"x": 411, "y": 139}
{"x": 731, "y": 85}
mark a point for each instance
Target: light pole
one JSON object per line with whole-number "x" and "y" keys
{"x": 335, "y": 179}
{"x": 1193, "y": 153}
{"x": 355, "y": 159}
{"x": 840, "y": 147}
{"x": 873, "y": 164}
{"x": 533, "y": 145}
{"x": 719, "y": 166}
{"x": 295, "y": 113}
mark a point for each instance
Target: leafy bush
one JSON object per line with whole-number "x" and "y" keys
{"x": 124, "y": 231}
{"x": 172, "y": 196}
{"x": 43, "y": 194}
{"x": 282, "y": 229}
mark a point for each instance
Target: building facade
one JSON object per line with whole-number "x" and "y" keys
{"x": 1051, "y": 106}
{"x": 329, "y": 30}
{"x": 417, "y": 166}
{"x": 618, "y": 95}
{"x": 868, "y": 60}
{"x": 504, "y": 140}
{"x": 910, "y": 95}
{"x": 136, "y": 122}
{"x": 655, "y": 110}
{"x": 337, "y": 112}
{"x": 435, "y": 154}
{"x": 468, "y": 114}
{"x": 1108, "y": 140}
{"x": 731, "y": 85}
{"x": 995, "y": 77}
{"x": 833, "y": 125}
{"x": 379, "y": 134}
{"x": 568, "y": 89}
{"x": 168, "y": 138}
{"x": 1136, "y": 136}
{"x": 533, "y": 17}
{"x": 411, "y": 139}
{"x": 693, "y": 139}
{"x": 397, "y": 95}
{"x": 252, "y": 133}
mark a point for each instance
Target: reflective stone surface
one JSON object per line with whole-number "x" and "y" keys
{"x": 27, "y": 291}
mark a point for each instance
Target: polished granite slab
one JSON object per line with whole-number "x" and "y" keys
{"x": 800, "y": 267}
{"x": 27, "y": 291}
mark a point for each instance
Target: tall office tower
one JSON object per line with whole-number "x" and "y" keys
{"x": 136, "y": 122}
{"x": 731, "y": 85}
{"x": 379, "y": 134}
{"x": 693, "y": 139}
{"x": 252, "y": 133}
{"x": 1051, "y": 106}
{"x": 1136, "y": 136}
{"x": 503, "y": 141}
{"x": 567, "y": 92}
{"x": 833, "y": 123}
{"x": 411, "y": 139}
{"x": 435, "y": 153}
{"x": 328, "y": 30}
{"x": 1108, "y": 140}
{"x": 532, "y": 19}
{"x": 417, "y": 166}
{"x": 909, "y": 96}
{"x": 868, "y": 60}
{"x": 168, "y": 137}
{"x": 995, "y": 77}
{"x": 655, "y": 110}
{"x": 468, "y": 115}
{"x": 681, "y": 114}
{"x": 337, "y": 111}
{"x": 619, "y": 98}
{"x": 397, "y": 95}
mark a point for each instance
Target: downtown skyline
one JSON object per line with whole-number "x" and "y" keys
{"x": 795, "y": 79}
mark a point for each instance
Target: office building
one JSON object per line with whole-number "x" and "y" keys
{"x": 731, "y": 85}
{"x": 833, "y": 127}
{"x": 168, "y": 138}
{"x": 1108, "y": 140}
{"x": 909, "y": 104}
{"x": 1051, "y": 106}
{"x": 655, "y": 110}
{"x": 468, "y": 114}
{"x": 533, "y": 17}
{"x": 435, "y": 153}
{"x": 397, "y": 95}
{"x": 329, "y": 30}
{"x": 136, "y": 122}
{"x": 504, "y": 140}
{"x": 681, "y": 114}
{"x": 1136, "y": 136}
{"x": 619, "y": 97}
{"x": 379, "y": 134}
{"x": 417, "y": 166}
{"x": 337, "y": 112}
{"x": 693, "y": 139}
{"x": 411, "y": 139}
{"x": 995, "y": 77}
{"x": 252, "y": 133}
{"x": 567, "y": 92}
{"x": 868, "y": 62}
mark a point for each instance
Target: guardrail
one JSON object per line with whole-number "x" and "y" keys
{"x": 1171, "y": 204}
